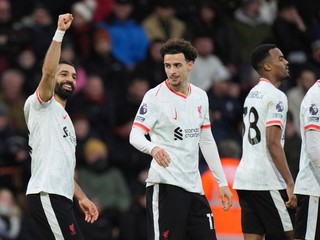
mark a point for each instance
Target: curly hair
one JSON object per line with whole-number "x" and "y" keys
{"x": 175, "y": 46}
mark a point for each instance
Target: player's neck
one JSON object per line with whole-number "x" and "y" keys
{"x": 273, "y": 81}
{"x": 182, "y": 88}
{"x": 61, "y": 101}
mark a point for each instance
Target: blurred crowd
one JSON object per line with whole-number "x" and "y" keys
{"x": 115, "y": 47}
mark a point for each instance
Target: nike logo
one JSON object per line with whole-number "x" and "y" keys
{"x": 65, "y": 117}
{"x": 175, "y": 117}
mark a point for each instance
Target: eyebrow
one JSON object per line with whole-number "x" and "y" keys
{"x": 66, "y": 71}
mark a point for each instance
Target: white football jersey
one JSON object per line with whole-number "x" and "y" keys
{"x": 308, "y": 180}
{"x": 264, "y": 106}
{"x": 52, "y": 140}
{"x": 174, "y": 122}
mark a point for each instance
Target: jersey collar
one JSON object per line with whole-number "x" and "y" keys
{"x": 177, "y": 93}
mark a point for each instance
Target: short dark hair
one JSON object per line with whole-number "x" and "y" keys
{"x": 175, "y": 46}
{"x": 260, "y": 54}
{"x": 62, "y": 61}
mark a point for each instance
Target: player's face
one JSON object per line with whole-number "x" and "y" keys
{"x": 66, "y": 81}
{"x": 280, "y": 66}
{"x": 177, "y": 69}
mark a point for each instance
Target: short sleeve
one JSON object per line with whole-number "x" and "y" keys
{"x": 277, "y": 110}
{"x": 311, "y": 116}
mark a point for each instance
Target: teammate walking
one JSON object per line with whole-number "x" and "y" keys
{"x": 52, "y": 139}
{"x": 307, "y": 187}
{"x": 176, "y": 116}
{"x": 263, "y": 180}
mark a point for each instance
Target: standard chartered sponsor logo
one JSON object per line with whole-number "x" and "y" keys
{"x": 179, "y": 134}
{"x": 192, "y": 132}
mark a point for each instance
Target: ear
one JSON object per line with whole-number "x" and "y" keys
{"x": 267, "y": 67}
{"x": 190, "y": 65}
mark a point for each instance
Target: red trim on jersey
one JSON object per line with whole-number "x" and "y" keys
{"x": 143, "y": 127}
{"x": 274, "y": 122}
{"x": 312, "y": 127}
{"x": 205, "y": 126}
{"x": 264, "y": 80}
{"x": 179, "y": 94}
{"x": 38, "y": 97}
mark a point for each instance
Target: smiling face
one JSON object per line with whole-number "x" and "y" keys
{"x": 177, "y": 69}
{"x": 66, "y": 81}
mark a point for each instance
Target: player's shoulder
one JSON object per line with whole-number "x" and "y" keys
{"x": 197, "y": 91}
{"x": 314, "y": 90}
{"x": 155, "y": 91}
{"x": 272, "y": 91}
{"x": 313, "y": 94}
{"x": 30, "y": 99}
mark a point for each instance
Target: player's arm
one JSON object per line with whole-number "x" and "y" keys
{"x": 140, "y": 142}
{"x": 210, "y": 153}
{"x": 273, "y": 138}
{"x": 89, "y": 208}
{"x": 49, "y": 68}
{"x": 313, "y": 149}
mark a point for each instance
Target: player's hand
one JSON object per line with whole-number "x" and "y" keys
{"x": 292, "y": 199}
{"x": 161, "y": 156}
{"x": 64, "y": 21}
{"x": 226, "y": 194}
{"x": 90, "y": 210}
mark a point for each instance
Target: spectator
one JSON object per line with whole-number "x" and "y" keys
{"x": 40, "y": 28}
{"x": 314, "y": 57}
{"x": 27, "y": 62}
{"x": 14, "y": 157}
{"x": 12, "y": 94}
{"x": 305, "y": 80}
{"x": 68, "y": 53}
{"x": 10, "y": 215}
{"x": 225, "y": 110}
{"x": 15, "y": 171}
{"x": 269, "y": 10}
{"x": 152, "y": 66}
{"x": 210, "y": 19}
{"x": 102, "y": 10}
{"x": 5, "y": 132}
{"x": 84, "y": 132}
{"x": 291, "y": 32}
{"x": 208, "y": 67}
{"x": 106, "y": 187}
{"x": 12, "y": 36}
{"x": 250, "y": 31}
{"x": 126, "y": 156}
{"x": 82, "y": 28}
{"x": 97, "y": 103}
{"x": 129, "y": 41}
{"x": 293, "y": 36}
{"x": 136, "y": 219}
{"x": 103, "y": 63}
{"x": 162, "y": 22}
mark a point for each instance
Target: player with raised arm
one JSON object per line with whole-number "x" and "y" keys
{"x": 52, "y": 139}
